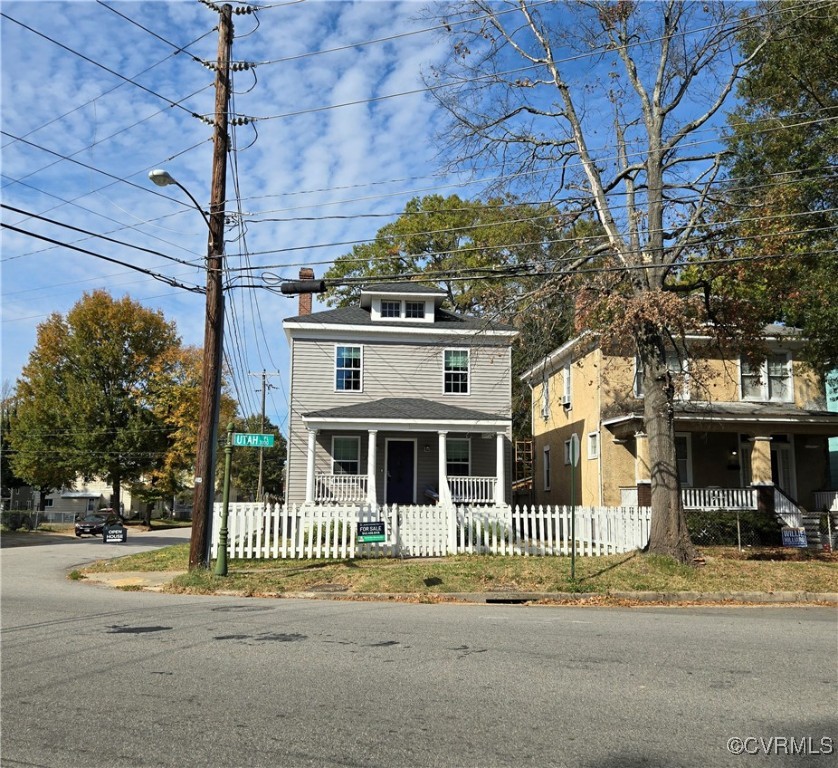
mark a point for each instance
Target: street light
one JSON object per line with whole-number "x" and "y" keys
{"x": 199, "y": 549}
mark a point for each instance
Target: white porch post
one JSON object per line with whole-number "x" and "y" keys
{"x": 372, "y": 498}
{"x": 312, "y": 441}
{"x": 444, "y": 490}
{"x": 500, "y": 483}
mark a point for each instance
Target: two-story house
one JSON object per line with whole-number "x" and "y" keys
{"x": 398, "y": 401}
{"x": 748, "y": 434}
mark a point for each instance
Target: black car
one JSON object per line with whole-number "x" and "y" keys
{"x": 91, "y": 525}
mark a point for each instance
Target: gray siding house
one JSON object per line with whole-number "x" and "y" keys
{"x": 398, "y": 401}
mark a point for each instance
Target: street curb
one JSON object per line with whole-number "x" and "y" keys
{"x": 581, "y": 598}
{"x": 155, "y": 581}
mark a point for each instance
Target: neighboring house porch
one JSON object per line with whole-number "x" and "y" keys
{"x": 406, "y": 451}
{"x": 767, "y": 456}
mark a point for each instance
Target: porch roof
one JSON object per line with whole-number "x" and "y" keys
{"x": 410, "y": 414}
{"x": 739, "y": 416}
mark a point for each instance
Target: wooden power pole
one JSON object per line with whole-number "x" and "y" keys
{"x": 214, "y": 323}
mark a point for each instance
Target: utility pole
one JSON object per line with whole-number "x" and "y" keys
{"x": 265, "y": 385}
{"x": 199, "y": 547}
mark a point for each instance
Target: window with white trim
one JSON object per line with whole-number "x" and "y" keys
{"x": 593, "y": 445}
{"x": 414, "y": 310}
{"x": 546, "y": 467}
{"x": 391, "y": 308}
{"x": 769, "y": 381}
{"x": 545, "y": 397}
{"x": 458, "y": 456}
{"x": 348, "y": 369}
{"x": 456, "y": 370}
{"x": 346, "y": 455}
{"x": 676, "y": 365}
{"x": 684, "y": 458}
{"x": 566, "y": 389}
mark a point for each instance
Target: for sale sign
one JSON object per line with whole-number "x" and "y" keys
{"x": 371, "y": 532}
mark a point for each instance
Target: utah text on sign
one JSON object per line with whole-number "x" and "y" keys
{"x": 252, "y": 440}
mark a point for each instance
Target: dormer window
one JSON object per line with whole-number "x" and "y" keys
{"x": 391, "y": 308}
{"x": 414, "y": 310}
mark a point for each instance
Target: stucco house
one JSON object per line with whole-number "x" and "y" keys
{"x": 749, "y": 435}
{"x": 398, "y": 401}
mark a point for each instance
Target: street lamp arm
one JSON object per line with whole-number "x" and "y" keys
{"x": 164, "y": 179}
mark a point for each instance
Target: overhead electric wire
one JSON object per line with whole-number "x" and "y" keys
{"x": 163, "y": 278}
{"x": 31, "y": 215}
{"x": 170, "y": 102}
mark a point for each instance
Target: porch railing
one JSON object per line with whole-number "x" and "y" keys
{"x": 826, "y": 500}
{"x": 340, "y": 488}
{"x": 719, "y": 498}
{"x": 787, "y": 509}
{"x": 472, "y": 489}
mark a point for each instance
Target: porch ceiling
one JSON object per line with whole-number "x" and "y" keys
{"x": 737, "y": 417}
{"x": 410, "y": 414}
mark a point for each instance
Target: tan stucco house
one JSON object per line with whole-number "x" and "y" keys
{"x": 748, "y": 435}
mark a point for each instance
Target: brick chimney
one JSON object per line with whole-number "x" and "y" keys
{"x": 306, "y": 273}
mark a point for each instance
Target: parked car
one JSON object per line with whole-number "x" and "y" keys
{"x": 92, "y": 524}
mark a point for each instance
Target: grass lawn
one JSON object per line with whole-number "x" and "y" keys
{"x": 724, "y": 570}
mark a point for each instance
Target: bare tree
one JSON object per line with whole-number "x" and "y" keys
{"x": 609, "y": 108}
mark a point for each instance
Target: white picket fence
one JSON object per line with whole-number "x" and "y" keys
{"x": 276, "y": 532}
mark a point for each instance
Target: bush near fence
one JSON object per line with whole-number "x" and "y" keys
{"x": 719, "y": 528}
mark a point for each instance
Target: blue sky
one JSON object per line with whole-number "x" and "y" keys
{"x": 78, "y": 142}
{"x": 95, "y": 94}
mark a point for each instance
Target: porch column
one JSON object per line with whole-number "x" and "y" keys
{"x": 500, "y": 484}
{"x": 761, "y": 477}
{"x": 642, "y": 471}
{"x": 444, "y": 490}
{"x": 312, "y": 442}
{"x": 761, "y": 460}
{"x": 372, "y": 498}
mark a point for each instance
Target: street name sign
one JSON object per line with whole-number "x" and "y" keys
{"x": 252, "y": 440}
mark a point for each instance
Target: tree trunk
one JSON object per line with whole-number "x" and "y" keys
{"x": 669, "y": 535}
{"x": 116, "y": 489}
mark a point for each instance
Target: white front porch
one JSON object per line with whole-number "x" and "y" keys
{"x": 431, "y": 484}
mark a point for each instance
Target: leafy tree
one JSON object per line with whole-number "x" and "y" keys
{"x": 245, "y": 462}
{"x": 782, "y": 196}
{"x": 602, "y": 104}
{"x": 85, "y": 401}
{"x": 8, "y": 479}
{"x": 494, "y": 258}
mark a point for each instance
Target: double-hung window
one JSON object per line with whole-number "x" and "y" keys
{"x": 456, "y": 369}
{"x": 348, "y": 369}
{"x": 391, "y": 308}
{"x": 545, "y": 397}
{"x": 458, "y": 456}
{"x": 414, "y": 310}
{"x": 676, "y": 365}
{"x": 769, "y": 381}
{"x": 346, "y": 455}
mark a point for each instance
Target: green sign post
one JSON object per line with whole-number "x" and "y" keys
{"x": 252, "y": 440}
{"x": 574, "y": 462}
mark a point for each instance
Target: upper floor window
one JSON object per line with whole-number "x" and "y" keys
{"x": 348, "y": 369}
{"x": 346, "y": 455}
{"x": 546, "y": 467}
{"x": 458, "y": 456}
{"x": 391, "y": 308}
{"x": 456, "y": 369}
{"x": 414, "y": 309}
{"x": 769, "y": 381}
{"x": 566, "y": 388}
{"x": 676, "y": 365}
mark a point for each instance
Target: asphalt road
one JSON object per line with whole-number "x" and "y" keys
{"x": 98, "y": 677}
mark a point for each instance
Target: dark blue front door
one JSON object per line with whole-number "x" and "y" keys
{"x": 401, "y": 482}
